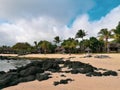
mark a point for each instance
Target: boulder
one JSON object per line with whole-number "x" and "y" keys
{"x": 7, "y": 78}
{"x": 56, "y": 83}
{"x": 62, "y": 81}
{"x": 52, "y": 66}
{"x": 108, "y": 73}
{"x": 27, "y": 78}
{"x": 42, "y": 76}
{"x": 94, "y": 74}
{"x": 31, "y": 71}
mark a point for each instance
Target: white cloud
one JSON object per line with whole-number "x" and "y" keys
{"x": 61, "y": 10}
{"x": 42, "y": 28}
{"x": 46, "y": 28}
{"x": 110, "y": 21}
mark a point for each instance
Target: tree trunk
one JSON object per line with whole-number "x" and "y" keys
{"x": 106, "y": 45}
{"x": 45, "y": 51}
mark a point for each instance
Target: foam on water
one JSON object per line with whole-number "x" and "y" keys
{"x": 6, "y": 65}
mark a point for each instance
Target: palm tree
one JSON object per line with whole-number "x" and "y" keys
{"x": 104, "y": 34}
{"x": 35, "y": 42}
{"x": 36, "y": 47}
{"x": 80, "y": 34}
{"x": 57, "y": 40}
{"x": 117, "y": 33}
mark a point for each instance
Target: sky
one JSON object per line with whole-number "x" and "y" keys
{"x": 35, "y": 20}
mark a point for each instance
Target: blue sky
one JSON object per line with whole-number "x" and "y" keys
{"x": 102, "y": 7}
{"x": 30, "y": 20}
{"x": 99, "y": 9}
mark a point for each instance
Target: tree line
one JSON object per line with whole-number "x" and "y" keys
{"x": 71, "y": 45}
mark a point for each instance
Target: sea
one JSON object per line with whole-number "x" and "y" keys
{"x": 6, "y": 65}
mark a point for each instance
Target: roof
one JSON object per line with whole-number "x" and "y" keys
{"x": 59, "y": 48}
{"x": 87, "y": 49}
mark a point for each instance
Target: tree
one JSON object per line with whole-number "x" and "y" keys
{"x": 57, "y": 40}
{"x": 117, "y": 33}
{"x": 22, "y": 48}
{"x": 6, "y": 49}
{"x": 85, "y": 43}
{"x": 80, "y": 34}
{"x": 69, "y": 44}
{"x": 45, "y": 46}
{"x": 104, "y": 35}
{"x": 96, "y": 45}
{"x": 36, "y": 44}
{"x": 36, "y": 48}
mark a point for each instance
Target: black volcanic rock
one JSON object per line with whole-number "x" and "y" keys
{"x": 49, "y": 65}
{"x": 94, "y": 74}
{"x": 56, "y": 83}
{"x": 43, "y": 76}
{"x": 31, "y": 71}
{"x": 74, "y": 71}
{"x": 27, "y": 78}
{"x": 62, "y": 75}
{"x": 62, "y": 81}
{"x": 37, "y": 70}
{"x": 7, "y": 78}
{"x": 2, "y": 73}
{"x": 108, "y": 73}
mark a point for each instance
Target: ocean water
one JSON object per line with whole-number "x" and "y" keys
{"x": 6, "y": 65}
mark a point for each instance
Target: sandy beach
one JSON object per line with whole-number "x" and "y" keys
{"x": 81, "y": 82}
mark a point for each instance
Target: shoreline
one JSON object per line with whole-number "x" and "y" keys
{"x": 55, "y": 56}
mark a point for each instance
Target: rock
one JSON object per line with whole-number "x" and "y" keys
{"x": 31, "y": 71}
{"x": 22, "y": 79}
{"x": 36, "y": 63}
{"x": 7, "y": 78}
{"x": 38, "y": 70}
{"x": 56, "y": 83}
{"x": 74, "y": 71}
{"x": 82, "y": 70}
{"x": 101, "y": 56}
{"x": 87, "y": 56}
{"x": 27, "y": 78}
{"x": 108, "y": 73}
{"x": 59, "y": 61}
{"x": 41, "y": 77}
{"x": 62, "y": 81}
{"x": 12, "y": 70}
{"x": 62, "y": 75}
{"x": 51, "y": 66}
{"x": 33, "y": 63}
{"x": 94, "y": 74}
{"x": 67, "y": 71}
{"x": 2, "y": 73}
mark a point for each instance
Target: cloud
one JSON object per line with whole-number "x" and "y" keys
{"x": 109, "y": 21}
{"x": 61, "y": 10}
{"x": 36, "y": 29}
{"x": 46, "y": 28}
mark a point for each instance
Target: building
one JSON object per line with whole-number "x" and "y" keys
{"x": 114, "y": 47}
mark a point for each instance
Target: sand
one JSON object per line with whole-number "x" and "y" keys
{"x": 81, "y": 82}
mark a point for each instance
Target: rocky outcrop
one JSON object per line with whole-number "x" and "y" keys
{"x": 36, "y": 70}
